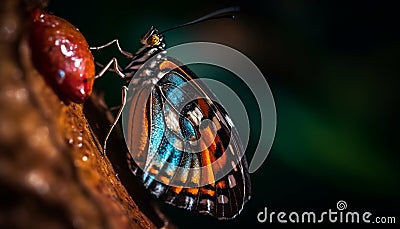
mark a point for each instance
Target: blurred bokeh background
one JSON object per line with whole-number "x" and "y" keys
{"x": 333, "y": 70}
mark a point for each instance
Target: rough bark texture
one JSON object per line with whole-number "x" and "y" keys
{"x": 52, "y": 174}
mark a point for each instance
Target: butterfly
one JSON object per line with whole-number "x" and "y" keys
{"x": 183, "y": 145}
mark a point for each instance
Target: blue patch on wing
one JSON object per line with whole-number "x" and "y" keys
{"x": 188, "y": 130}
{"x": 174, "y": 78}
{"x": 166, "y": 160}
{"x": 157, "y": 125}
{"x": 174, "y": 94}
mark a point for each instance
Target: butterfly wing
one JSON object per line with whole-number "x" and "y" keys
{"x": 184, "y": 160}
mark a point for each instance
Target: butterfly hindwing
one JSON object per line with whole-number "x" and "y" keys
{"x": 185, "y": 163}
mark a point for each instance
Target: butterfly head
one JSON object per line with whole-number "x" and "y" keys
{"x": 152, "y": 38}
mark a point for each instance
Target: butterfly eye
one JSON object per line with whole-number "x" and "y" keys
{"x": 153, "y": 40}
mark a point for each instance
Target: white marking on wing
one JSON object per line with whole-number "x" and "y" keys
{"x": 222, "y": 199}
{"x": 231, "y": 181}
{"x": 172, "y": 121}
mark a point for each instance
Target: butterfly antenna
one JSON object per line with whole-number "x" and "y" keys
{"x": 222, "y": 13}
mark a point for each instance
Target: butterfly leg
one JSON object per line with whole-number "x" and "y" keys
{"x": 109, "y": 69}
{"x": 116, "y": 69}
{"x": 124, "y": 92}
{"x": 125, "y": 53}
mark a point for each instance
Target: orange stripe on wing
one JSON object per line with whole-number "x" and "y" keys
{"x": 203, "y": 106}
{"x": 207, "y": 191}
{"x": 138, "y": 124}
{"x": 208, "y": 137}
{"x": 221, "y": 184}
{"x": 193, "y": 191}
{"x": 207, "y": 157}
{"x": 207, "y": 174}
{"x": 170, "y": 65}
{"x": 221, "y": 163}
{"x": 177, "y": 189}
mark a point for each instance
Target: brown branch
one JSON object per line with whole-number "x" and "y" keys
{"x": 52, "y": 174}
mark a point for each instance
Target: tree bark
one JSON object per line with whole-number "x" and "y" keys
{"x": 52, "y": 173}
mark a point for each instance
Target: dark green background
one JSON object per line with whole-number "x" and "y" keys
{"x": 333, "y": 70}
